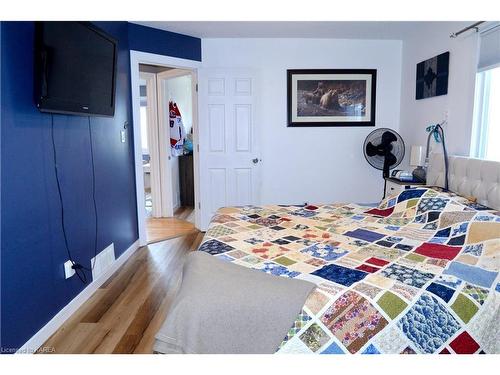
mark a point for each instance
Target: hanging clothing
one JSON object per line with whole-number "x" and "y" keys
{"x": 177, "y": 131}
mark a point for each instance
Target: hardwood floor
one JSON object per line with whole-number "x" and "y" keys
{"x": 125, "y": 313}
{"x": 159, "y": 229}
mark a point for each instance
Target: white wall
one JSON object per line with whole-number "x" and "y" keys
{"x": 313, "y": 164}
{"x": 416, "y": 115}
{"x": 179, "y": 91}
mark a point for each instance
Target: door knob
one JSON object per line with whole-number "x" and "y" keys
{"x": 255, "y": 161}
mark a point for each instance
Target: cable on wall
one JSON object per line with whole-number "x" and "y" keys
{"x": 76, "y": 266}
{"x": 93, "y": 192}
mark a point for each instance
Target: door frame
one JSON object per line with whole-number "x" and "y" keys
{"x": 167, "y": 205}
{"x": 153, "y": 144}
{"x": 136, "y": 58}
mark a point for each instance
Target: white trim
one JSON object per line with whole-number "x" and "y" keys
{"x": 164, "y": 152}
{"x": 137, "y": 58}
{"x": 58, "y": 320}
{"x": 153, "y": 145}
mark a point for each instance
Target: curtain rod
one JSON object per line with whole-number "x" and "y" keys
{"x": 473, "y": 26}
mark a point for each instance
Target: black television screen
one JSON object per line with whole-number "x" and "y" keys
{"x": 75, "y": 66}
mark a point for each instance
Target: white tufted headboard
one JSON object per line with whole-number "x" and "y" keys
{"x": 468, "y": 177}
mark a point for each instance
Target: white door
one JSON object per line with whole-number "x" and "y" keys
{"x": 228, "y": 133}
{"x": 169, "y": 165}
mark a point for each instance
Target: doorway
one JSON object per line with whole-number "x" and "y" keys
{"x": 226, "y": 131}
{"x": 164, "y": 98}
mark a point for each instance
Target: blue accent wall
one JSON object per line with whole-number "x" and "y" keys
{"x": 146, "y": 39}
{"x": 33, "y": 288}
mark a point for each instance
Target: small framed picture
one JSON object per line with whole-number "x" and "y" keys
{"x": 331, "y": 97}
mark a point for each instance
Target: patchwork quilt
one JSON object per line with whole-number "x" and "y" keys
{"x": 417, "y": 274}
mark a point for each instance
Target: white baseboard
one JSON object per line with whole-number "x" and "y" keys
{"x": 57, "y": 321}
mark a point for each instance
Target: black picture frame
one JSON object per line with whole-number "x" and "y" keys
{"x": 432, "y": 77}
{"x": 361, "y": 113}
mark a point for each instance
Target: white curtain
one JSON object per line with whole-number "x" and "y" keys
{"x": 489, "y": 52}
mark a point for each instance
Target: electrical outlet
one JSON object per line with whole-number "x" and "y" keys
{"x": 123, "y": 136}
{"x": 68, "y": 270}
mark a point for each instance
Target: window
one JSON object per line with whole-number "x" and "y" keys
{"x": 486, "y": 129}
{"x": 486, "y": 140}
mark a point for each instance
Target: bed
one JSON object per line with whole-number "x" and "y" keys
{"x": 419, "y": 273}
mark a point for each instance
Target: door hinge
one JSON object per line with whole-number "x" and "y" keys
{"x": 199, "y": 205}
{"x": 198, "y": 147}
{"x": 196, "y": 87}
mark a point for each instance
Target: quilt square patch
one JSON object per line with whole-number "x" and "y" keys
{"x": 385, "y": 253}
{"x": 432, "y": 204}
{"x": 377, "y": 262}
{"x": 365, "y": 235}
{"x": 291, "y": 238}
{"x": 284, "y": 261}
{"x": 367, "y": 289}
{"x": 464, "y": 308}
{"x": 391, "y": 304}
{"x": 476, "y": 249}
{"x": 316, "y": 301}
{"x": 441, "y": 291}
{"x": 434, "y": 250}
{"x": 385, "y": 243}
{"x": 367, "y": 268}
{"x": 404, "y": 247}
{"x": 304, "y": 213}
{"x": 253, "y": 241}
{"x": 407, "y": 275}
{"x": 333, "y": 349}
{"x": 479, "y": 294}
{"x": 428, "y": 324}
{"x": 464, "y": 344}
{"x": 269, "y": 252}
{"x": 278, "y": 270}
{"x": 353, "y": 320}
{"x": 325, "y": 252}
{"x": 449, "y": 280}
{"x": 340, "y": 275}
{"x": 378, "y": 212}
{"x": 410, "y": 194}
{"x": 280, "y": 241}
{"x": 391, "y": 340}
{"x": 370, "y": 349}
{"x": 214, "y": 247}
{"x": 408, "y": 350}
{"x": 250, "y": 259}
{"x": 237, "y": 254}
{"x": 404, "y": 290}
{"x": 314, "y": 337}
{"x": 472, "y": 274}
{"x": 299, "y": 323}
{"x": 219, "y": 231}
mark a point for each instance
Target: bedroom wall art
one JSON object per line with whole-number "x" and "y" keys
{"x": 331, "y": 97}
{"x": 432, "y": 76}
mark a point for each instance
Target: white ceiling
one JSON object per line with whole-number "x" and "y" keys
{"x": 326, "y": 29}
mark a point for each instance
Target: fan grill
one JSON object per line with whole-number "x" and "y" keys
{"x": 375, "y": 138}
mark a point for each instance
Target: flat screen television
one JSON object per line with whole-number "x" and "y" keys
{"x": 75, "y": 68}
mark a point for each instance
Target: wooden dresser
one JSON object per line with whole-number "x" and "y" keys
{"x": 186, "y": 180}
